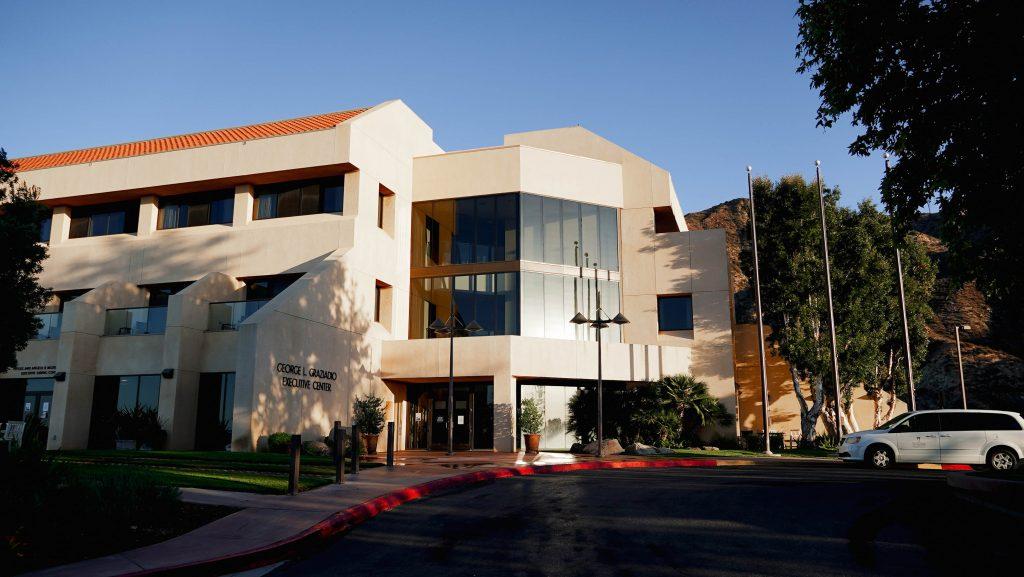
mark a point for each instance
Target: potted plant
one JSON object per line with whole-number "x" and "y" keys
{"x": 531, "y": 421}
{"x": 368, "y": 415}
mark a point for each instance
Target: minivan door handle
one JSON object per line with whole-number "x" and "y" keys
{"x": 944, "y": 436}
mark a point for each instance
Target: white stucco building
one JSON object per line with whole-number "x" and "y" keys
{"x": 252, "y": 280}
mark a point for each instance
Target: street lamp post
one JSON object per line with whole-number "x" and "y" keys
{"x": 960, "y": 362}
{"x": 448, "y": 328}
{"x": 760, "y": 323}
{"x": 906, "y": 327}
{"x": 598, "y": 323}
{"x": 831, "y": 314}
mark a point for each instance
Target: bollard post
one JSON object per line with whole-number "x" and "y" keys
{"x": 391, "y": 445}
{"x": 339, "y": 453}
{"x": 355, "y": 449}
{"x": 295, "y": 451}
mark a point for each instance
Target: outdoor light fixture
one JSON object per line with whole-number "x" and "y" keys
{"x": 167, "y": 373}
{"x": 448, "y": 328}
{"x": 597, "y": 323}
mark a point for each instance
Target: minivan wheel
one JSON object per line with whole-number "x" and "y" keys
{"x": 879, "y": 457}
{"x": 1002, "y": 460}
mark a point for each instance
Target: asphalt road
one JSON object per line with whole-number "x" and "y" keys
{"x": 766, "y": 520}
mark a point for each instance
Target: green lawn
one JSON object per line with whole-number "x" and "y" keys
{"x": 818, "y": 453}
{"x": 250, "y": 472}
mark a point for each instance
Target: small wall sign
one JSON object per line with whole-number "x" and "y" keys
{"x": 37, "y": 371}
{"x": 309, "y": 378}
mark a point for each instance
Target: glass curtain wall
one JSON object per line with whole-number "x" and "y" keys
{"x": 549, "y": 301}
{"x": 492, "y": 300}
{"x": 465, "y": 230}
{"x": 552, "y": 227}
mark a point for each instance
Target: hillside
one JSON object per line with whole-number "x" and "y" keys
{"x": 994, "y": 376}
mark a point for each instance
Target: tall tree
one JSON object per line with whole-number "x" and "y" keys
{"x": 938, "y": 84}
{"x": 868, "y": 325}
{"x": 21, "y": 217}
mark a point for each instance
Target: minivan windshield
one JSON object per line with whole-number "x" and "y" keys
{"x": 889, "y": 424}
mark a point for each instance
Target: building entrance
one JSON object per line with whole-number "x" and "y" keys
{"x": 428, "y": 416}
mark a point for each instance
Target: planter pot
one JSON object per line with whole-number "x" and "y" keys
{"x": 125, "y": 445}
{"x": 532, "y": 442}
{"x": 370, "y": 442}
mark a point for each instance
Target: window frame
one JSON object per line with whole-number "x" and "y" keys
{"x": 296, "y": 197}
{"x": 672, "y": 328}
{"x": 185, "y": 205}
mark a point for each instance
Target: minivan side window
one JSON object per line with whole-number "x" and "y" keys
{"x": 962, "y": 422}
{"x": 927, "y": 423}
{"x": 997, "y": 422}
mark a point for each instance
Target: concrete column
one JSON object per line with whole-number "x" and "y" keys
{"x": 243, "y": 205}
{"x": 81, "y": 328}
{"x": 505, "y": 405}
{"x": 184, "y": 338}
{"x": 60, "y": 227}
{"x": 149, "y": 212}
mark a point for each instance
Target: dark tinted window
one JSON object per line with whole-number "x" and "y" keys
{"x": 675, "y": 313}
{"x": 978, "y": 422}
{"x": 302, "y": 197}
{"x": 44, "y": 229}
{"x": 997, "y": 422}
{"x": 926, "y": 423}
{"x": 267, "y": 287}
{"x": 104, "y": 219}
{"x": 158, "y": 294}
{"x": 197, "y": 209}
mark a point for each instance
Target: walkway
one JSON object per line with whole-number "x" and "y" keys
{"x": 266, "y": 519}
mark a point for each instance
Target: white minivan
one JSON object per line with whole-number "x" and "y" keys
{"x": 993, "y": 438}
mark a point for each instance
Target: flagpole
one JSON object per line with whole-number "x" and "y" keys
{"x": 903, "y": 311}
{"x": 831, "y": 314}
{"x": 766, "y": 418}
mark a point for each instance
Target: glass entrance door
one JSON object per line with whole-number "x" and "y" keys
{"x": 472, "y": 416}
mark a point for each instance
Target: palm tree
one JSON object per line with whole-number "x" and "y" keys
{"x": 692, "y": 401}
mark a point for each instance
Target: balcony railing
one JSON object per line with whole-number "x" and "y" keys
{"x": 226, "y": 316}
{"x": 49, "y": 327}
{"x": 136, "y": 321}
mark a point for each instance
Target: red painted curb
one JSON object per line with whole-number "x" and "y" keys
{"x": 957, "y": 468}
{"x": 347, "y": 519}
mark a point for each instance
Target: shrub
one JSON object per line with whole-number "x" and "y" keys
{"x": 671, "y": 411}
{"x": 368, "y": 414}
{"x": 316, "y": 448}
{"x": 50, "y": 515}
{"x": 141, "y": 424}
{"x": 531, "y": 420}
{"x": 279, "y": 442}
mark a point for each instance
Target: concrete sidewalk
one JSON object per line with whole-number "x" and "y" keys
{"x": 267, "y": 519}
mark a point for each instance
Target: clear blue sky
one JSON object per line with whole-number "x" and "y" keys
{"x": 700, "y": 88}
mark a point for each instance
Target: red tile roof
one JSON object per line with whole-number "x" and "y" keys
{"x": 184, "y": 141}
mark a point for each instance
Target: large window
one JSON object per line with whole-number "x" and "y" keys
{"x": 492, "y": 300}
{"x": 214, "y": 207}
{"x": 514, "y": 226}
{"x": 302, "y": 197}
{"x": 675, "y": 313}
{"x": 104, "y": 219}
{"x": 138, "y": 391}
{"x": 568, "y": 232}
{"x": 550, "y": 300}
{"x": 466, "y": 230}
